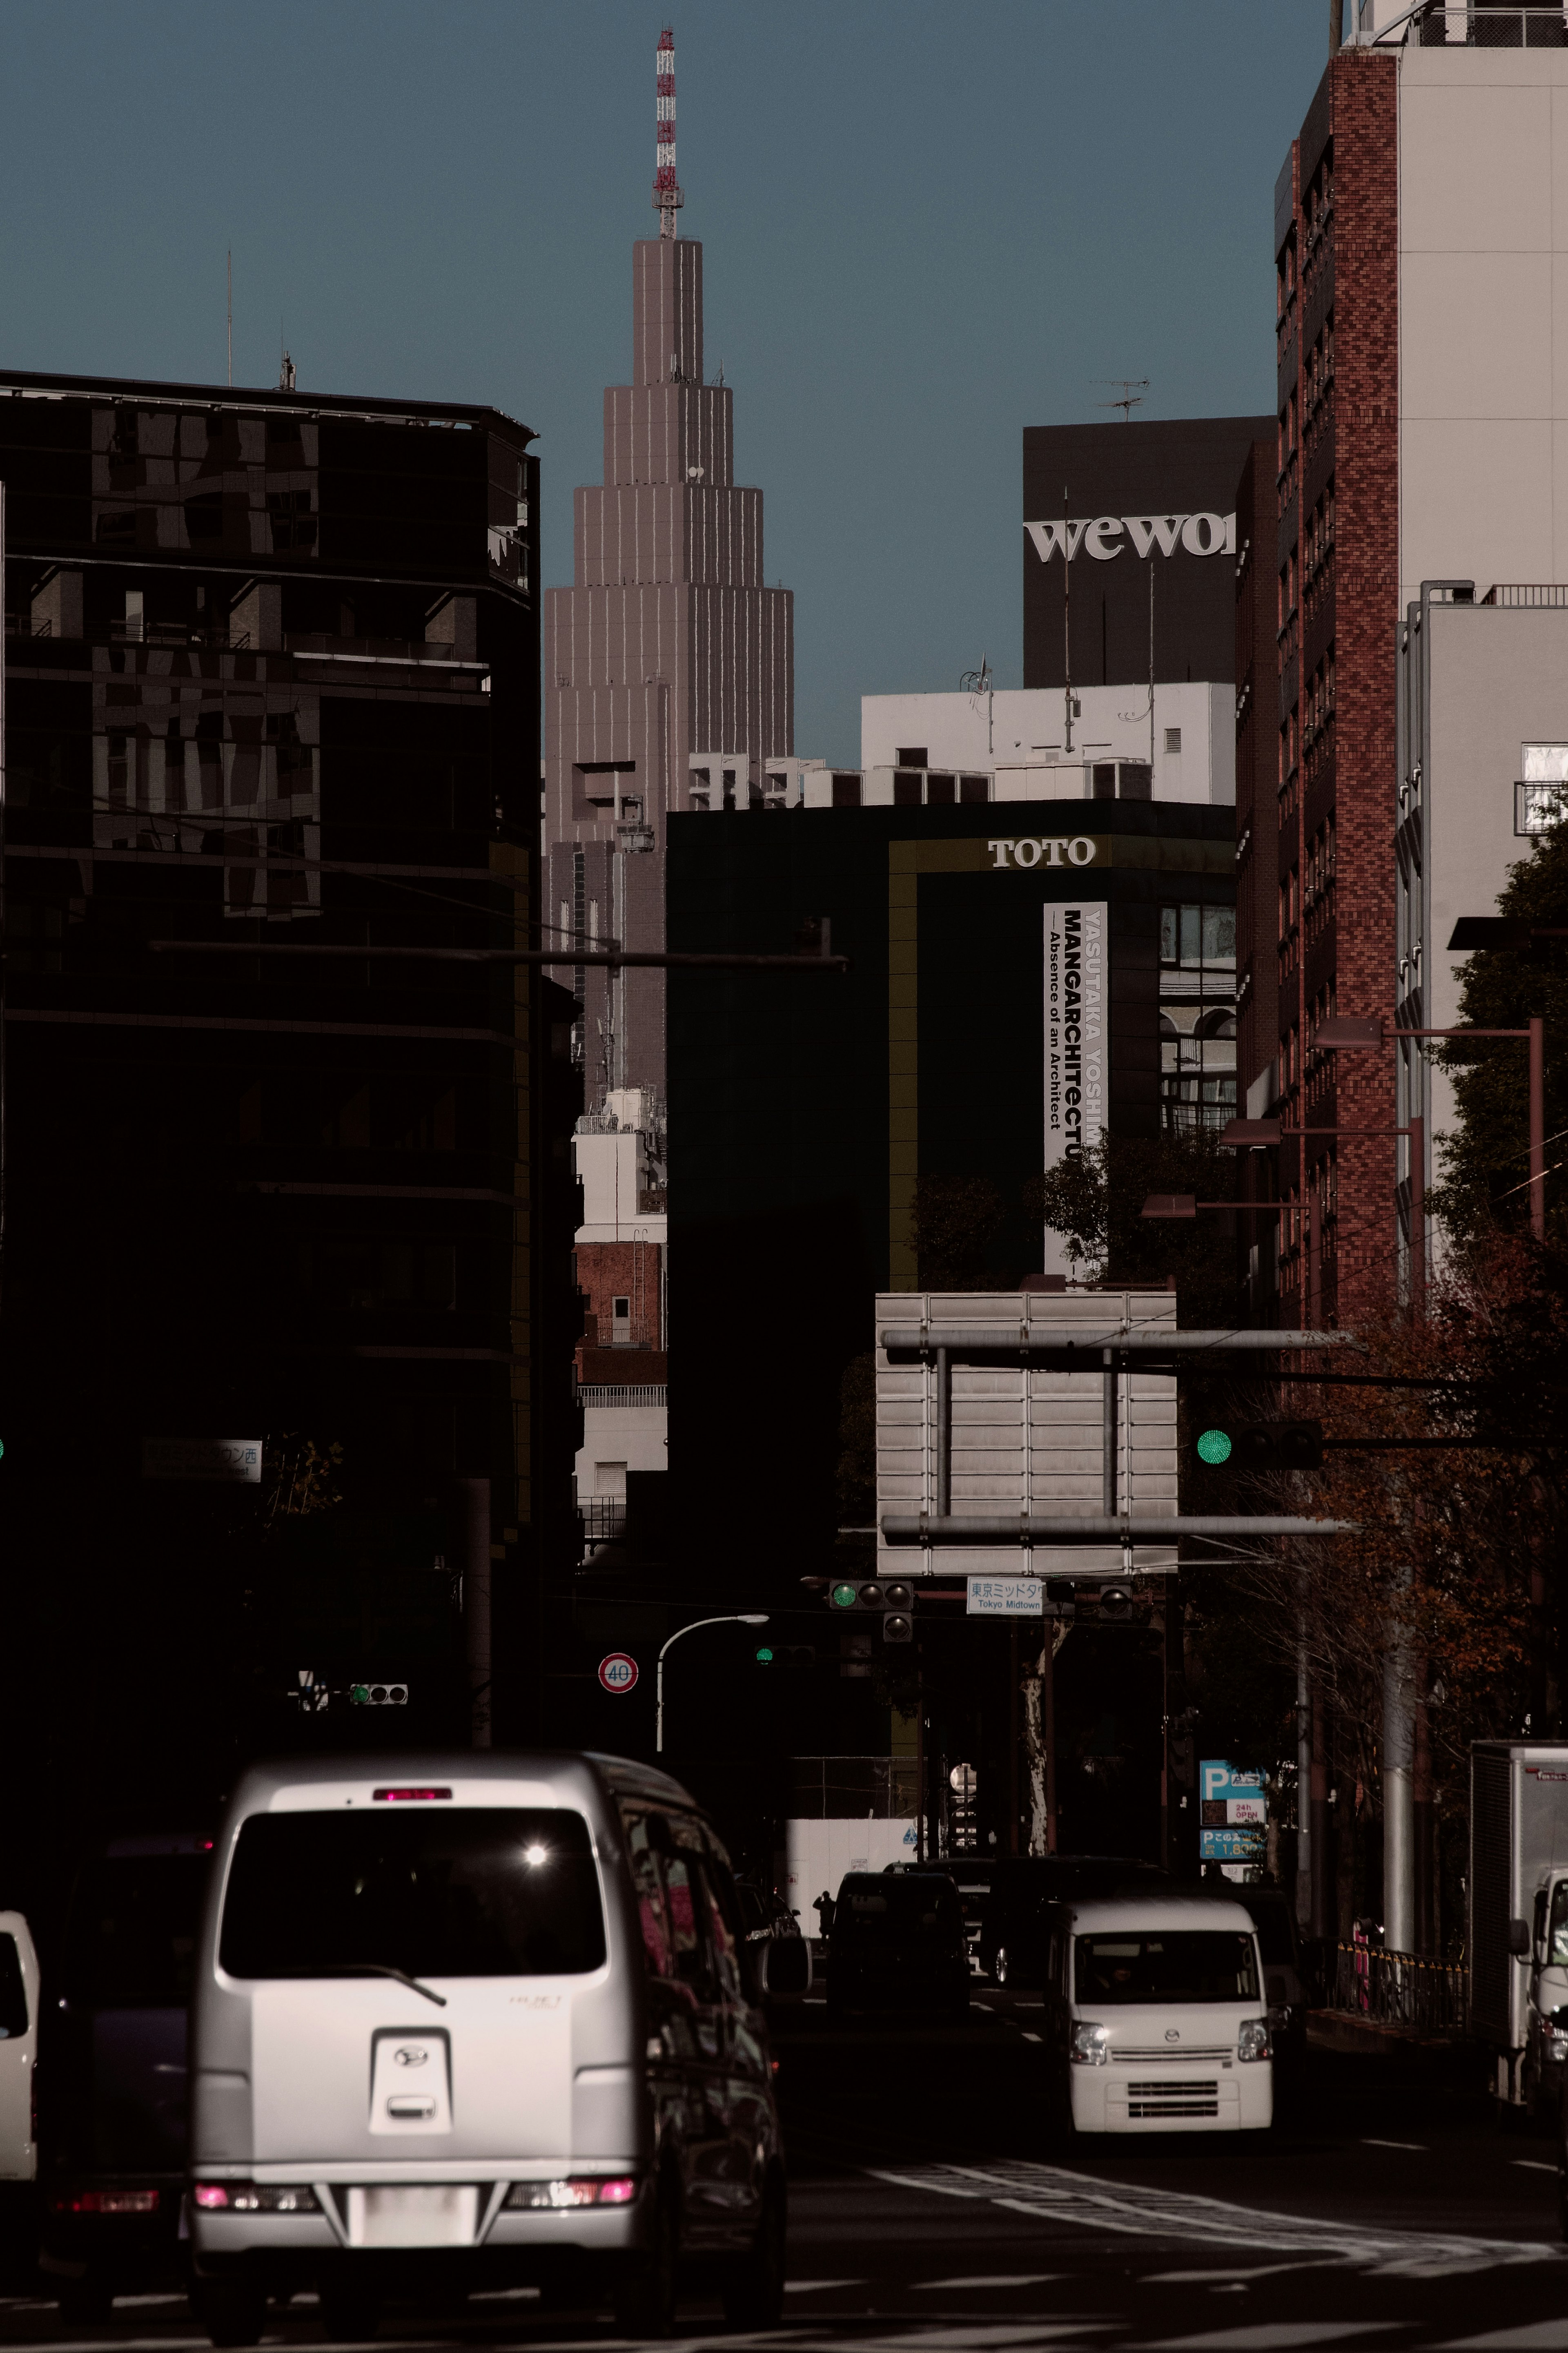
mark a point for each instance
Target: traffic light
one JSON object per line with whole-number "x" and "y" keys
{"x": 786, "y": 1654}
{"x": 892, "y": 1600}
{"x": 378, "y": 1694}
{"x": 1222, "y": 1444}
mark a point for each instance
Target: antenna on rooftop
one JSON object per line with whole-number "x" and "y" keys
{"x": 976, "y": 681}
{"x": 231, "y": 314}
{"x": 666, "y": 197}
{"x": 1129, "y": 394}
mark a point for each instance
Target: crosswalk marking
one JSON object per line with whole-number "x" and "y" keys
{"x": 1052, "y": 2193}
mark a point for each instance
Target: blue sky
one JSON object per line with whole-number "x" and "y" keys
{"x": 925, "y": 226}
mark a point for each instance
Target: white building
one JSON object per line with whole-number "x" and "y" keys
{"x": 1483, "y": 768}
{"x": 1182, "y": 750}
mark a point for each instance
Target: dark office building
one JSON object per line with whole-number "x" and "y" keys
{"x": 804, "y": 1109}
{"x": 272, "y": 687}
{"x": 1125, "y": 500}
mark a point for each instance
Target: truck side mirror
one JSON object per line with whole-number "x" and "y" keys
{"x": 1519, "y": 1936}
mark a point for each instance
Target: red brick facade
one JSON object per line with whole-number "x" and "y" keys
{"x": 630, "y": 1274}
{"x": 1256, "y": 825}
{"x": 1338, "y": 601}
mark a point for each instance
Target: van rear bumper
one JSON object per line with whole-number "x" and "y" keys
{"x": 294, "y": 2247}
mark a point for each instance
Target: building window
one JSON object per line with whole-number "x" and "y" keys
{"x": 1197, "y": 1017}
{"x": 1172, "y": 739}
{"x": 975, "y": 789}
{"x": 845, "y": 788}
{"x": 1540, "y": 796}
{"x": 906, "y": 785}
{"x": 911, "y": 756}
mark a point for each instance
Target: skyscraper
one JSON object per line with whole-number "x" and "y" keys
{"x": 669, "y": 665}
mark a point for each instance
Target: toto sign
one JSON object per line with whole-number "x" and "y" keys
{"x": 619, "y": 1673}
{"x": 1104, "y": 537}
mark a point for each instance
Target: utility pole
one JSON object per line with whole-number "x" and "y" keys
{"x": 1067, "y": 616}
{"x": 476, "y": 1493}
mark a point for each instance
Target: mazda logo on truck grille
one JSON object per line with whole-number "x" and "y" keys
{"x": 410, "y": 2055}
{"x": 1172, "y": 2034}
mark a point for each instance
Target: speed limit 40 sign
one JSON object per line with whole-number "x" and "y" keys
{"x": 619, "y": 1673}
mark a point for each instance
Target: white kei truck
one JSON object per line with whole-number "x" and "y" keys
{"x": 1518, "y": 1917}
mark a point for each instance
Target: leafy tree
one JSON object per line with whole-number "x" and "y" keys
{"x": 1486, "y": 1162}
{"x": 1096, "y": 1201}
{"x": 857, "y": 1442}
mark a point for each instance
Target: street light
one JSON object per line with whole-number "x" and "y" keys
{"x": 1360, "y": 1031}
{"x": 744, "y": 1618}
{"x": 1260, "y": 1131}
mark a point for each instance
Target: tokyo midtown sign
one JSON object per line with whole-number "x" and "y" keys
{"x": 1105, "y": 537}
{"x": 1077, "y": 1042}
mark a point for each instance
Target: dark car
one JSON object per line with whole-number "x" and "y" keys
{"x": 1284, "y": 1981}
{"x": 971, "y": 1874}
{"x": 111, "y": 2072}
{"x": 764, "y": 1913}
{"x": 1015, "y": 1929}
{"x": 898, "y": 1944}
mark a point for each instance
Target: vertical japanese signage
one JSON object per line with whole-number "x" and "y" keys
{"x": 1078, "y": 1056}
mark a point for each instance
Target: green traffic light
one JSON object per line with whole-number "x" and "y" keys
{"x": 1214, "y": 1446}
{"x": 765, "y": 1657}
{"x": 844, "y": 1597}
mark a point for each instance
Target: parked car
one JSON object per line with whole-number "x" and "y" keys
{"x": 111, "y": 2072}
{"x": 1155, "y": 2017}
{"x": 898, "y": 1942}
{"x": 18, "y": 2058}
{"x": 764, "y": 1913}
{"x": 1015, "y": 1930}
{"x": 495, "y": 2022}
{"x": 1284, "y": 1984}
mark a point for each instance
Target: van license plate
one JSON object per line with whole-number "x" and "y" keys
{"x": 432, "y": 2214}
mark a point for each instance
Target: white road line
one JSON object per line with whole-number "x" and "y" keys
{"x": 1535, "y": 2337}
{"x": 1420, "y": 2145}
{"x": 1269, "y": 2336}
{"x": 1241, "y": 2274}
{"x": 810, "y": 2287}
{"x": 1051, "y": 2193}
{"x": 1030, "y": 2038}
{"x": 1532, "y": 2164}
{"x": 992, "y": 2279}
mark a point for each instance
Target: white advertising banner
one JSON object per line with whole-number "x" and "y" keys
{"x": 1078, "y": 1059}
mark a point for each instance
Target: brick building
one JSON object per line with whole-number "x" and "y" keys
{"x": 1423, "y": 436}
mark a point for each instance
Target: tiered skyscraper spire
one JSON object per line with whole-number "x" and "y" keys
{"x": 666, "y": 197}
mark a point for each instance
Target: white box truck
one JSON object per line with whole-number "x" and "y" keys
{"x": 1518, "y": 1916}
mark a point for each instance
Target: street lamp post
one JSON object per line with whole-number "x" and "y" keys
{"x": 744, "y": 1618}
{"x": 1360, "y": 1031}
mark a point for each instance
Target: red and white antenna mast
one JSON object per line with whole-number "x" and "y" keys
{"x": 666, "y": 197}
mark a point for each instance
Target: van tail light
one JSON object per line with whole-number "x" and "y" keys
{"x": 255, "y": 2198}
{"x": 592, "y": 2190}
{"x": 107, "y": 2202}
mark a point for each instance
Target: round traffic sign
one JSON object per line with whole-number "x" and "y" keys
{"x": 619, "y": 1673}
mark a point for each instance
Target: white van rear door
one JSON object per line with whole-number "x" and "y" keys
{"x": 18, "y": 2047}
{"x": 345, "y": 2070}
{"x": 412, "y": 1974}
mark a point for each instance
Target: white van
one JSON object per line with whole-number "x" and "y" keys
{"x": 477, "y": 2020}
{"x": 1157, "y": 2017}
{"x": 18, "y": 2048}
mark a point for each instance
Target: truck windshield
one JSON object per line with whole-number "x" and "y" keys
{"x": 131, "y": 1932}
{"x": 468, "y": 1892}
{"x": 1183, "y": 1965}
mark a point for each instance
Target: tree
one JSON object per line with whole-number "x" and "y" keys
{"x": 1095, "y": 1201}
{"x": 1485, "y": 1161}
